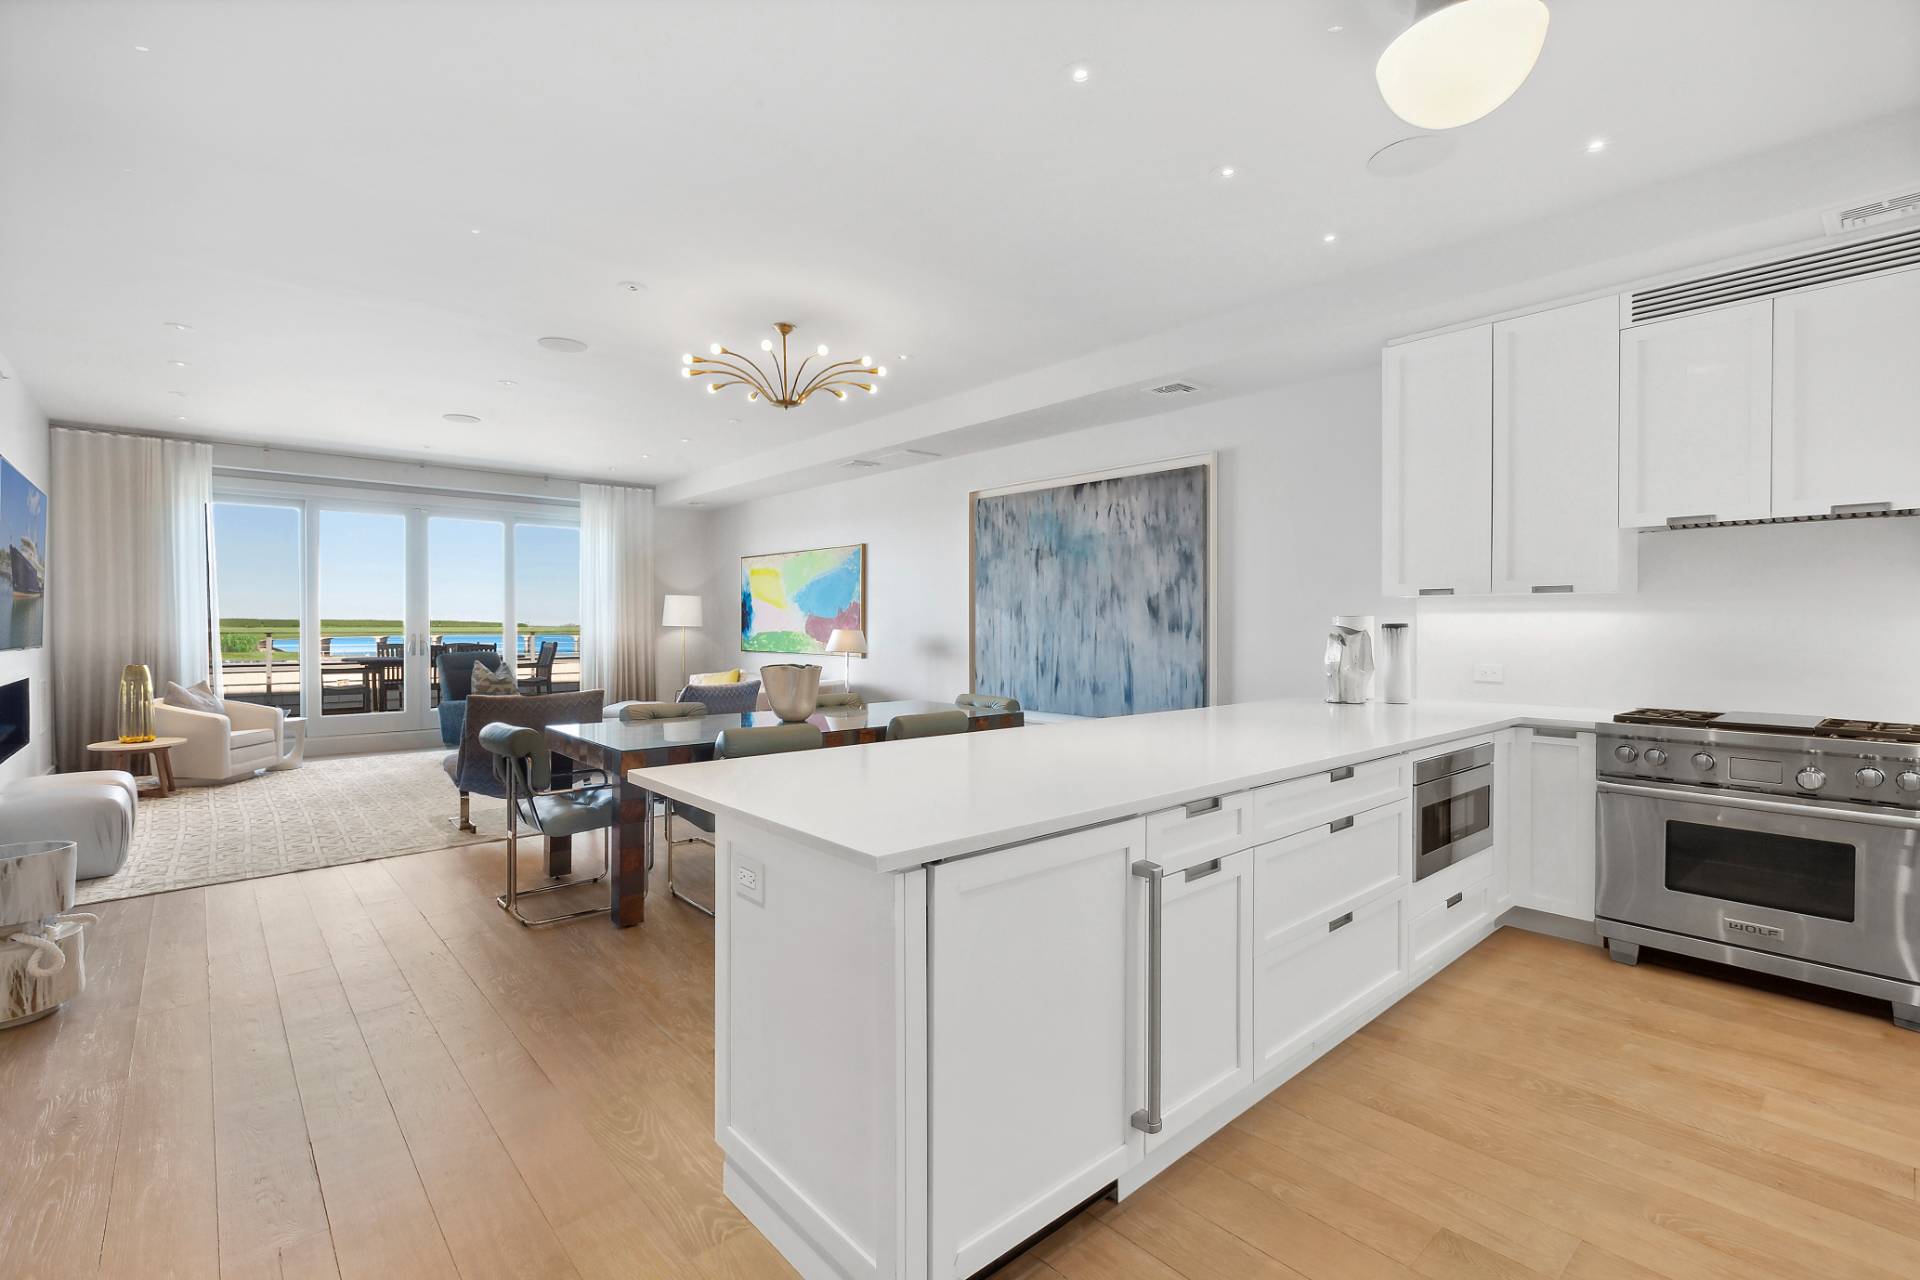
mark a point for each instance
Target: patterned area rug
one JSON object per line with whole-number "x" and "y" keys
{"x": 331, "y": 810}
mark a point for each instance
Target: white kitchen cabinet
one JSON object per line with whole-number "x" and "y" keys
{"x": 1029, "y": 1093}
{"x": 1437, "y": 467}
{"x": 1846, "y": 396}
{"x": 1308, "y": 878}
{"x": 1206, "y": 991}
{"x": 1696, "y": 396}
{"x": 1561, "y": 818}
{"x": 1306, "y": 990}
{"x": 1556, "y": 399}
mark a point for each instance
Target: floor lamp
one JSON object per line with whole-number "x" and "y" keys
{"x": 682, "y": 612}
{"x": 849, "y": 642}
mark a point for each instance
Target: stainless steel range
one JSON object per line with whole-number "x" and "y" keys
{"x": 1786, "y": 845}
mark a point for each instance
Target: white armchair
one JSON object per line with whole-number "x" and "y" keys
{"x": 244, "y": 739}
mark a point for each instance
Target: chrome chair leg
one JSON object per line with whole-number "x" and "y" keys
{"x": 509, "y": 901}
{"x": 695, "y": 903}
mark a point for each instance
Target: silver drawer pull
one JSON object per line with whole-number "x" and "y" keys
{"x": 1202, "y": 871}
{"x": 1198, "y": 807}
{"x": 1436, "y": 591}
{"x": 1339, "y": 824}
{"x": 1860, "y": 509}
{"x": 1340, "y": 922}
{"x": 1455, "y": 900}
{"x": 1554, "y": 591}
{"x": 1147, "y": 1119}
{"x": 1342, "y": 774}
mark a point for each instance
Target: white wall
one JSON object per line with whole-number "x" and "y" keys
{"x": 25, "y": 442}
{"x": 1815, "y": 618}
{"x": 1298, "y": 486}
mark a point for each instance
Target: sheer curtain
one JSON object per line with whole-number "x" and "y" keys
{"x": 616, "y": 590}
{"x": 128, "y": 573}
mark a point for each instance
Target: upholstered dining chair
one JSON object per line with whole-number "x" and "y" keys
{"x": 524, "y": 766}
{"x": 927, "y": 724}
{"x": 470, "y": 766}
{"x": 987, "y": 702}
{"x": 737, "y": 698}
{"x": 734, "y": 744}
{"x": 655, "y": 710}
{"x": 455, "y": 667}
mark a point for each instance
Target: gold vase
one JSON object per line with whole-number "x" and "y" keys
{"x": 136, "y": 703}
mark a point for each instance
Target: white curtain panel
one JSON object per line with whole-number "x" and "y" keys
{"x": 127, "y": 571}
{"x": 616, "y": 590}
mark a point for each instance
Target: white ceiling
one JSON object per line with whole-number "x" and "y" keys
{"x": 300, "y": 182}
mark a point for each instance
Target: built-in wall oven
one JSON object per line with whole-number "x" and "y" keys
{"x": 1452, "y": 808}
{"x": 1784, "y": 853}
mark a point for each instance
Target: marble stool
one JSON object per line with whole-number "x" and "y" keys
{"x": 42, "y": 949}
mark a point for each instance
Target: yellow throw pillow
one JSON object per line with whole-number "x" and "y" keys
{"x": 715, "y": 677}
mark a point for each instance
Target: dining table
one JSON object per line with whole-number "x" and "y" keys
{"x": 616, "y": 746}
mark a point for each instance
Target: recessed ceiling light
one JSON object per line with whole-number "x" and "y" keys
{"x": 1224, "y": 171}
{"x": 140, "y": 48}
{"x": 178, "y": 364}
{"x": 633, "y": 286}
{"x": 508, "y": 382}
{"x": 176, "y": 325}
{"x": 1335, "y": 29}
{"x": 1329, "y": 238}
{"x": 905, "y": 356}
{"x": 176, "y": 393}
{"x": 733, "y": 422}
{"x": 645, "y": 456}
{"x": 474, "y": 231}
{"x": 686, "y": 439}
{"x": 459, "y": 417}
{"x": 1596, "y": 146}
{"x": 1079, "y": 73}
{"x": 563, "y": 344}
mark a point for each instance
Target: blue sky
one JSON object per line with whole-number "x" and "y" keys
{"x": 363, "y": 566}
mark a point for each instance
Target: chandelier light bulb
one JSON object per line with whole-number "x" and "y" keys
{"x": 687, "y": 358}
{"x": 712, "y": 388}
{"x": 866, "y": 359}
{"x": 686, "y": 372}
{"x": 715, "y": 349}
{"x": 882, "y": 371}
{"x": 766, "y": 344}
{"x": 820, "y": 350}
{"x": 872, "y": 390}
{"x": 1460, "y": 59}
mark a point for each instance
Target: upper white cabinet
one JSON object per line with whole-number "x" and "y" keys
{"x": 1846, "y": 396}
{"x": 1556, "y": 392}
{"x": 1437, "y": 465}
{"x": 1696, "y": 417}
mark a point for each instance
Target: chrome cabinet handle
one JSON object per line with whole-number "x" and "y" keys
{"x": 1340, "y": 922}
{"x": 1197, "y": 807}
{"x": 1339, "y": 824}
{"x": 1147, "y": 1119}
{"x": 1436, "y": 591}
{"x": 1342, "y": 774}
{"x": 1202, "y": 871}
{"x": 1455, "y": 900}
{"x": 1554, "y": 590}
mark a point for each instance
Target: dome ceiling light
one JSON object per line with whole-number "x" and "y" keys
{"x": 1460, "y": 59}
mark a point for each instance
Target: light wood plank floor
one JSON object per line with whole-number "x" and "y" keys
{"x": 368, "y": 1071}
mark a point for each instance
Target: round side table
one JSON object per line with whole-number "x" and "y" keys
{"x": 154, "y": 755}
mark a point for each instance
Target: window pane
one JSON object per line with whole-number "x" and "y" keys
{"x": 363, "y": 609}
{"x": 466, "y": 587}
{"x": 256, "y": 553}
{"x": 546, "y": 595}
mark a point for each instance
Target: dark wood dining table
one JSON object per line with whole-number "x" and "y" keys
{"x": 617, "y": 746}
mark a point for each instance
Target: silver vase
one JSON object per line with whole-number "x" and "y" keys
{"x": 793, "y": 690}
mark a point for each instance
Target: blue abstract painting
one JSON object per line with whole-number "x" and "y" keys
{"x": 1090, "y": 598}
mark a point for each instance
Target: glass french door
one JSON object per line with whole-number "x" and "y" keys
{"x": 363, "y": 659}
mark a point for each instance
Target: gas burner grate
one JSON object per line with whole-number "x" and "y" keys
{"x": 1661, "y": 715}
{"x": 1869, "y": 730}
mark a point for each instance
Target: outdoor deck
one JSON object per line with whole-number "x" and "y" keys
{"x": 347, "y": 687}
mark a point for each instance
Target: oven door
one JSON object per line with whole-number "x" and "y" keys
{"x": 1453, "y": 818}
{"x": 1834, "y": 886}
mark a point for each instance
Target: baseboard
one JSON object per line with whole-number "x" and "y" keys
{"x": 365, "y": 744}
{"x": 779, "y": 1230}
{"x": 1553, "y": 926}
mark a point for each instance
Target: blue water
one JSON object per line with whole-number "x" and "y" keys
{"x": 367, "y": 646}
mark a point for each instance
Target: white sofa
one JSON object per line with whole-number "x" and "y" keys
{"x": 244, "y": 739}
{"x": 95, "y": 810}
{"x": 826, "y": 686}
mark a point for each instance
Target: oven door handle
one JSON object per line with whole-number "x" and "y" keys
{"x": 1734, "y": 800}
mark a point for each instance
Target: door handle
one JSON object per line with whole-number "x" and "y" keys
{"x": 1147, "y": 1119}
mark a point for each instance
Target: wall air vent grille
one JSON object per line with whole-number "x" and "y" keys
{"x": 1173, "y": 389}
{"x": 1763, "y": 279}
{"x": 1869, "y": 511}
{"x": 1871, "y": 213}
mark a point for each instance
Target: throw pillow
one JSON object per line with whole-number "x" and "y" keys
{"x": 715, "y": 677}
{"x": 488, "y": 680}
{"x": 198, "y": 697}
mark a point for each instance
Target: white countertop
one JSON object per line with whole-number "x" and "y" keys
{"x": 894, "y": 805}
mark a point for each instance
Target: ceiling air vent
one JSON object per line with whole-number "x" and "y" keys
{"x": 1763, "y": 279}
{"x": 859, "y": 464}
{"x": 1173, "y": 389}
{"x": 1871, "y": 213}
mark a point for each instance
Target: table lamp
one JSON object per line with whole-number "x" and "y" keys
{"x": 849, "y": 642}
{"x": 682, "y": 612}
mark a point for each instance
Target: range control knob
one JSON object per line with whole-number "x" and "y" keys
{"x": 1811, "y": 778}
{"x": 1703, "y": 762}
{"x": 1656, "y": 756}
{"x": 1870, "y": 777}
{"x": 1908, "y": 781}
{"x": 1625, "y": 754}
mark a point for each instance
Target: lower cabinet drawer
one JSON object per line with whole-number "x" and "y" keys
{"x": 1446, "y": 929}
{"x": 1303, "y": 881}
{"x": 1318, "y": 982}
{"x": 1282, "y": 808}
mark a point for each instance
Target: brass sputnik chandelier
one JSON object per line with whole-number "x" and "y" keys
{"x": 785, "y": 386}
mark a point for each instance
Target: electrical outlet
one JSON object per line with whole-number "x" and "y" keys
{"x": 1489, "y": 673}
{"x": 750, "y": 881}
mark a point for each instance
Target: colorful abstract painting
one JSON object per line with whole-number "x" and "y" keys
{"x": 791, "y": 601}
{"x": 1091, "y": 598}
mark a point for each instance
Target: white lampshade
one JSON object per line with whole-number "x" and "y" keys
{"x": 851, "y": 640}
{"x": 681, "y": 611}
{"x": 1460, "y": 59}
